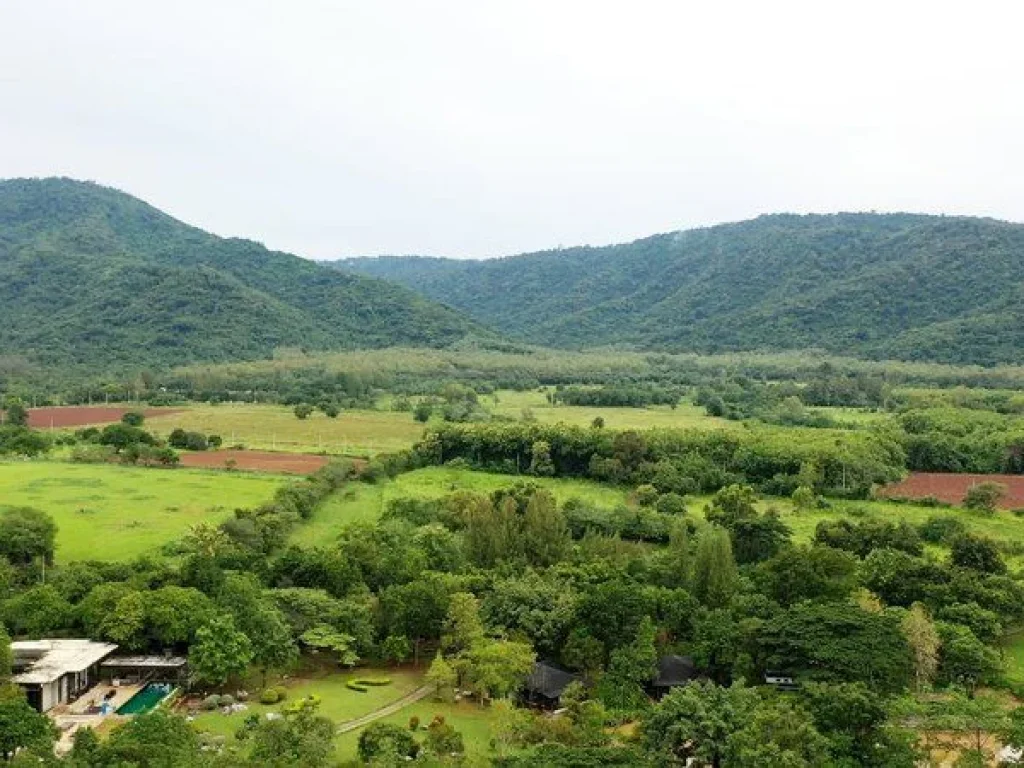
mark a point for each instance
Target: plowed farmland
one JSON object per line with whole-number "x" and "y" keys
{"x": 952, "y": 488}
{"x": 79, "y": 416}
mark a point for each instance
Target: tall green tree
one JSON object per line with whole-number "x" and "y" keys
{"x": 545, "y": 532}
{"x": 220, "y": 651}
{"x": 715, "y": 577}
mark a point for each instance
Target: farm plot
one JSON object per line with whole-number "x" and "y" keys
{"x": 275, "y": 428}
{"x": 63, "y": 417}
{"x": 110, "y": 512}
{"x": 255, "y": 461}
{"x": 951, "y": 488}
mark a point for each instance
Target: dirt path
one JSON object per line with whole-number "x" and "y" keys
{"x": 390, "y": 709}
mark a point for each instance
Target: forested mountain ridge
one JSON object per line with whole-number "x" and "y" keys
{"x": 902, "y": 286}
{"x": 92, "y": 276}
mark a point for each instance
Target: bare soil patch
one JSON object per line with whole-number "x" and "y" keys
{"x": 256, "y": 461}
{"x": 84, "y": 415}
{"x": 952, "y": 488}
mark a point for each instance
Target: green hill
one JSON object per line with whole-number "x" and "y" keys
{"x": 902, "y": 286}
{"x": 93, "y": 277}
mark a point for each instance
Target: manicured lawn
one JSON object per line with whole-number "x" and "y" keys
{"x": 360, "y": 501}
{"x": 473, "y": 721}
{"x": 110, "y": 512}
{"x": 275, "y": 428}
{"x": 338, "y": 703}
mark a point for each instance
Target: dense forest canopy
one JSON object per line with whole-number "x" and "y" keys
{"x": 90, "y": 276}
{"x": 896, "y": 286}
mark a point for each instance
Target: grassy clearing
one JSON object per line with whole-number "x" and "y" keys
{"x": 368, "y": 432}
{"x": 475, "y": 722}
{"x": 360, "y": 502}
{"x": 110, "y": 512}
{"x": 338, "y": 703}
{"x": 275, "y": 428}
{"x": 1012, "y": 648}
{"x": 684, "y": 416}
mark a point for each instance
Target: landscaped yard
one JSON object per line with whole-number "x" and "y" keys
{"x": 474, "y": 721}
{"x": 338, "y": 703}
{"x": 111, "y": 512}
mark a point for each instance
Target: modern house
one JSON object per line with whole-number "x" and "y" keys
{"x": 145, "y": 669}
{"x": 546, "y": 684}
{"x": 673, "y": 671}
{"x": 56, "y": 672}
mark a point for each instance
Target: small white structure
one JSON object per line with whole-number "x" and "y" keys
{"x": 56, "y": 672}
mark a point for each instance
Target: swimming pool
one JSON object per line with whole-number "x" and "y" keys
{"x": 145, "y": 700}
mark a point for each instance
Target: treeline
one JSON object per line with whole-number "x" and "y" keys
{"x": 616, "y": 396}
{"x": 844, "y": 464}
{"x": 962, "y": 440}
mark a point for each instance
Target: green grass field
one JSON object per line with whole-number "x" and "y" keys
{"x": 275, "y": 428}
{"x": 684, "y": 416}
{"x": 473, "y": 721}
{"x": 368, "y": 432}
{"x": 1012, "y": 648}
{"x": 360, "y": 501}
{"x": 338, "y": 703}
{"x": 110, "y": 512}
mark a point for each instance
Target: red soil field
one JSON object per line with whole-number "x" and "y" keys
{"x": 258, "y": 461}
{"x": 952, "y": 488}
{"x": 84, "y": 415}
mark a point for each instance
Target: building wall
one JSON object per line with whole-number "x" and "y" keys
{"x": 50, "y": 695}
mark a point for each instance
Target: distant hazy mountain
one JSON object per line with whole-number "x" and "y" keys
{"x": 92, "y": 275}
{"x": 897, "y": 286}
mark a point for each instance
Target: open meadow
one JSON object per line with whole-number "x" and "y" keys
{"x": 275, "y": 428}
{"x": 111, "y": 512}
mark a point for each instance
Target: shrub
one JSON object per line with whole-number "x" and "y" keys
{"x": 374, "y": 681}
{"x": 215, "y": 441}
{"x": 210, "y": 703}
{"x": 941, "y": 529}
{"x": 984, "y": 497}
{"x": 226, "y": 700}
{"x": 646, "y": 495}
{"x": 282, "y": 692}
{"x": 269, "y": 696}
{"x": 303, "y": 410}
{"x": 354, "y": 685}
{"x": 414, "y": 723}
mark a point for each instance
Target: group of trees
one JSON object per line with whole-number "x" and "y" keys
{"x": 673, "y": 461}
{"x": 624, "y": 395}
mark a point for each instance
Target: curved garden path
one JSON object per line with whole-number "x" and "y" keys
{"x": 396, "y": 706}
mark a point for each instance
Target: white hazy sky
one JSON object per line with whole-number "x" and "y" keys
{"x": 489, "y": 127}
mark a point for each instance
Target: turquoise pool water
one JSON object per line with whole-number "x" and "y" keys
{"x": 144, "y": 700}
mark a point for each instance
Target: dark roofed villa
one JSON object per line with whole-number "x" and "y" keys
{"x": 673, "y": 671}
{"x": 546, "y": 684}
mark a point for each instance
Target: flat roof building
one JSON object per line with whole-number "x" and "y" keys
{"x": 56, "y": 672}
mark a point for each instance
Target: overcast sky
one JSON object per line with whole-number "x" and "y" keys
{"x": 486, "y": 127}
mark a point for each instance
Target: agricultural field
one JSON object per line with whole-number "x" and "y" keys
{"x": 275, "y": 428}
{"x": 511, "y": 404}
{"x": 951, "y": 488}
{"x": 360, "y": 501}
{"x": 111, "y": 512}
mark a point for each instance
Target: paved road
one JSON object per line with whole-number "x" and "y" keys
{"x": 390, "y": 709}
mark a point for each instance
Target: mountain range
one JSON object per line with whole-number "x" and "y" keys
{"x": 90, "y": 276}
{"x": 93, "y": 277}
{"x": 899, "y": 286}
